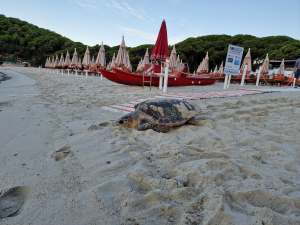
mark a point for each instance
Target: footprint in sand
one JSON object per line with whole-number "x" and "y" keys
{"x": 100, "y": 126}
{"x": 14, "y": 200}
{"x": 62, "y": 153}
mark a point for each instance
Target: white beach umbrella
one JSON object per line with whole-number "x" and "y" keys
{"x": 121, "y": 59}
{"x": 173, "y": 63}
{"x": 221, "y": 69}
{"x": 281, "y": 68}
{"x": 56, "y": 61}
{"x": 178, "y": 63}
{"x": 100, "y": 60}
{"x": 108, "y": 66}
{"x": 265, "y": 66}
{"x": 247, "y": 59}
{"x": 113, "y": 62}
{"x": 194, "y": 74}
{"x": 86, "y": 62}
{"x": 67, "y": 60}
{"x": 129, "y": 67}
{"x": 74, "y": 61}
{"x": 205, "y": 65}
{"x": 93, "y": 62}
{"x": 181, "y": 65}
{"x": 52, "y": 62}
{"x": 61, "y": 61}
{"x": 216, "y": 70}
{"x": 79, "y": 65}
{"x": 47, "y": 63}
{"x": 145, "y": 60}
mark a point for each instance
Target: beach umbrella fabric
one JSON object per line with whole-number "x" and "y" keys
{"x": 67, "y": 60}
{"x": 221, "y": 69}
{"x": 145, "y": 60}
{"x": 52, "y": 62}
{"x": 56, "y": 61}
{"x": 216, "y": 70}
{"x": 205, "y": 65}
{"x": 247, "y": 59}
{"x": 61, "y": 61}
{"x": 265, "y": 66}
{"x": 281, "y": 68}
{"x": 129, "y": 67}
{"x": 79, "y": 65}
{"x": 113, "y": 62}
{"x": 74, "y": 61}
{"x": 121, "y": 59}
{"x": 173, "y": 59}
{"x": 161, "y": 51}
{"x": 100, "y": 60}
{"x": 86, "y": 62}
{"x": 178, "y": 63}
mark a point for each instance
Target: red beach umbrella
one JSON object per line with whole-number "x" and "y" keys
{"x": 161, "y": 51}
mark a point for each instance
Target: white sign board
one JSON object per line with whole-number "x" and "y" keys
{"x": 233, "y": 60}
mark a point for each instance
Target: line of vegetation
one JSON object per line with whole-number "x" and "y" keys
{"x": 33, "y": 44}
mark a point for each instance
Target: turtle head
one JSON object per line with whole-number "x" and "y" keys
{"x": 129, "y": 120}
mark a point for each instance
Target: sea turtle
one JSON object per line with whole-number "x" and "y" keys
{"x": 160, "y": 115}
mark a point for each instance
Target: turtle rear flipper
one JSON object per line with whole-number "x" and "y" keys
{"x": 161, "y": 128}
{"x": 193, "y": 121}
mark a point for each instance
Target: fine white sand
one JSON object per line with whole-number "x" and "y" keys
{"x": 239, "y": 165}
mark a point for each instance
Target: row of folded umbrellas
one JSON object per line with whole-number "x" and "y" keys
{"x": 123, "y": 61}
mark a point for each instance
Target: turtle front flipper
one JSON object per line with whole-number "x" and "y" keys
{"x": 161, "y": 128}
{"x": 193, "y": 121}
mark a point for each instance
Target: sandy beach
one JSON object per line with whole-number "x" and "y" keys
{"x": 239, "y": 165}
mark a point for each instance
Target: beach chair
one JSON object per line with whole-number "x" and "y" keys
{"x": 279, "y": 79}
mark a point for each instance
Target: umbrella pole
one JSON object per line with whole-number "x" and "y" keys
{"x": 258, "y": 76}
{"x": 151, "y": 77}
{"x": 143, "y": 77}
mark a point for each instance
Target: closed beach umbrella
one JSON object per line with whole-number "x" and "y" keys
{"x": 161, "y": 51}
{"x": 194, "y": 74}
{"x": 216, "y": 70}
{"x": 121, "y": 59}
{"x": 93, "y": 62}
{"x": 178, "y": 63}
{"x": 52, "y": 62}
{"x": 181, "y": 65}
{"x": 281, "y": 68}
{"x": 47, "y": 63}
{"x": 129, "y": 67}
{"x": 139, "y": 67}
{"x": 56, "y": 61}
{"x": 221, "y": 69}
{"x": 67, "y": 60}
{"x": 74, "y": 61}
{"x": 79, "y": 65}
{"x": 293, "y": 73}
{"x": 100, "y": 60}
{"x": 265, "y": 66}
{"x": 86, "y": 62}
{"x": 113, "y": 62}
{"x": 146, "y": 60}
{"x": 205, "y": 67}
{"x": 108, "y": 66}
{"x": 173, "y": 59}
{"x": 61, "y": 61}
{"x": 247, "y": 59}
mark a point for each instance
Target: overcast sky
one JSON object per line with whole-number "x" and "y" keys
{"x": 93, "y": 21}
